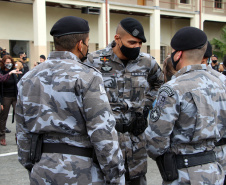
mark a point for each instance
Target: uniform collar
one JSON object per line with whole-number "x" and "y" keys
{"x": 189, "y": 68}
{"x": 62, "y": 55}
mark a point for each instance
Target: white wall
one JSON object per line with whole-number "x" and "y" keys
{"x": 169, "y": 27}
{"x": 213, "y": 29}
{"x": 54, "y": 14}
{"x": 16, "y": 21}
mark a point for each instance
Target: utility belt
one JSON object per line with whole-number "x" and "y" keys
{"x": 221, "y": 142}
{"x": 38, "y": 147}
{"x": 169, "y": 163}
{"x": 136, "y": 126}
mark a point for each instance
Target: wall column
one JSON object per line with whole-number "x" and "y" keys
{"x": 39, "y": 25}
{"x": 102, "y": 27}
{"x": 155, "y": 35}
{"x": 194, "y": 22}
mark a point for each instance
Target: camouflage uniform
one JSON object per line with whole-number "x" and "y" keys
{"x": 129, "y": 88}
{"x": 221, "y": 150}
{"x": 66, "y": 101}
{"x": 184, "y": 121}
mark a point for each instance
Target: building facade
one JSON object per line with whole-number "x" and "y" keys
{"x": 25, "y": 24}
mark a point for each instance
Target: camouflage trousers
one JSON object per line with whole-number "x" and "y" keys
{"x": 220, "y": 152}
{"x": 58, "y": 169}
{"x": 207, "y": 174}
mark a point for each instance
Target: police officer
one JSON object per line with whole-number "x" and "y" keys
{"x": 184, "y": 122}
{"x": 64, "y": 118}
{"x": 3, "y": 53}
{"x": 21, "y": 64}
{"x": 221, "y": 144}
{"x": 131, "y": 79}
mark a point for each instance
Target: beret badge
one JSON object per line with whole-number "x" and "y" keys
{"x": 135, "y": 32}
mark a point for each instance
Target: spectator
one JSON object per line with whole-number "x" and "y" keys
{"x": 215, "y": 64}
{"x": 41, "y": 60}
{"x": 21, "y": 64}
{"x": 3, "y": 53}
{"x": 8, "y": 93}
{"x": 4, "y": 78}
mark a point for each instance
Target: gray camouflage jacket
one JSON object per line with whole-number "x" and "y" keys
{"x": 65, "y": 100}
{"x": 129, "y": 90}
{"x": 186, "y": 119}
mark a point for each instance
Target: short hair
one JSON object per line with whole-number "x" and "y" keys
{"x": 43, "y": 57}
{"x": 21, "y": 53}
{"x": 68, "y": 42}
{"x": 120, "y": 30}
{"x": 214, "y": 56}
{"x": 4, "y": 60}
{"x": 195, "y": 55}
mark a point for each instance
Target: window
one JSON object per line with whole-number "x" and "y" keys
{"x": 162, "y": 54}
{"x": 52, "y": 47}
{"x": 97, "y": 46}
{"x": 218, "y": 4}
{"x": 148, "y": 49}
{"x": 140, "y": 2}
{"x": 17, "y": 46}
{"x": 184, "y": 1}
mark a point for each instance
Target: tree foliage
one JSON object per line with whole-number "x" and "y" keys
{"x": 219, "y": 46}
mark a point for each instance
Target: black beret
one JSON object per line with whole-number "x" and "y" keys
{"x": 69, "y": 25}
{"x": 208, "y": 52}
{"x": 133, "y": 27}
{"x": 188, "y": 38}
{"x": 43, "y": 57}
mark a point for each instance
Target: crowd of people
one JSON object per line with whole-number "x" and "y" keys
{"x": 10, "y": 73}
{"x": 93, "y": 118}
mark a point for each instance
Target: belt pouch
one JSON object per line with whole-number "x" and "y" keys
{"x": 167, "y": 166}
{"x": 36, "y": 148}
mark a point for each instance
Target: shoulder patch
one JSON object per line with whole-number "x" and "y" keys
{"x": 166, "y": 89}
{"x": 155, "y": 114}
{"x": 164, "y": 92}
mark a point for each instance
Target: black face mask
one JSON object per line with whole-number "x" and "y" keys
{"x": 214, "y": 61}
{"x": 130, "y": 53}
{"x": 24, "y": 58}
{"x": 84, "y": 57}
{"x": 174, "y": 62}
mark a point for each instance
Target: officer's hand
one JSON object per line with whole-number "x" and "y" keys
{"x": 1, "y": 107}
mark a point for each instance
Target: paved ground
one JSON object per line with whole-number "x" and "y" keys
{"x": 12, "y": 173}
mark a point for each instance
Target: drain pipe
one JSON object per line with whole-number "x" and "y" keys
{"x": 200, "y": 14}
{"x": 106, "y": 6}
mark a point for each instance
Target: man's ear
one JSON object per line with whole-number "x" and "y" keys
{"x": 117, "y": 37}
{"x": 80, "y": 44}
{"x": 179, "y": 54}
